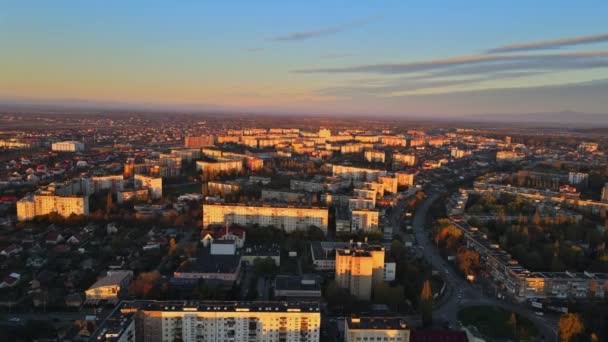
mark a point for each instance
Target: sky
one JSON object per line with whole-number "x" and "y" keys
{"x": 435, "y": 58}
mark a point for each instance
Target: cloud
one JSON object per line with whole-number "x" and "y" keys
{"x": 549, "y": 44}
{"x": 255, "y": 49}
{"x": 297, "y": 36}
{"x": 391, "y": 87}
{"x": 561, "y": 61}
{"x": 337, "y": 55}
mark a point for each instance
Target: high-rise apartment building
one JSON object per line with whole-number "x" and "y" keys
{"x": 359, "y": 267}
{"x": 153, "y": 184}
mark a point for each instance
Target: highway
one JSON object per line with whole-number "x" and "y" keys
{"x": 459, "y": 292}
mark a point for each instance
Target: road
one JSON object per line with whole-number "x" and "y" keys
{"x": 461, "y": 293}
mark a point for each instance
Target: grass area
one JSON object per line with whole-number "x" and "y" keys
{"x": 496, "y": 323}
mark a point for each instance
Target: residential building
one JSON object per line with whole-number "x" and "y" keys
{"x": 356, "y": 173}
{"x": 44, "y": 204}
{"x": 153, "y": 184}
{"x": 373, "y": 156}
{"x": 404, "y": 160}
{"x": 68, "y": 146}
{"x": 200, "y": 141}
{"x": 588, "y": 147}
{"x": 404, "y": 178}
{"x": 215, "y": 321}
{"x": 109, "y": 286}
{"x": 358, "y": 267}
{"x": 376, "y": 328}
{"x": 578, "y": 178}
{"x": 288, "y": 218}
{"x": 364, "y": 219}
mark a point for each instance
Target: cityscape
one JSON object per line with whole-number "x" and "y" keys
{"x": 319, "y": 182}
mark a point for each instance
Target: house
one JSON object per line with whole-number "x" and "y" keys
{"x": 75, "y": 239}
{"x": 10, "y": 280}
{"x": 11, "y": 250}
{"x": 109, "y": 287}
{"x": 236, "y": 234}
{"x": 53, "y": 238}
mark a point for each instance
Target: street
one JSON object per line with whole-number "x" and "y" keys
{"x": 459, "y": 292}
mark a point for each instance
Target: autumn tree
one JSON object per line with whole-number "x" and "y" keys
{"x": 172, "y": 247}
{"x": 426, "y": 303}
{"x": 570, "y": 325}
{"x": 143, "y": 285}
{"x": 467, "y": 260}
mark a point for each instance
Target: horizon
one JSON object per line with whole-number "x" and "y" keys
{"x": 437, "y": 61}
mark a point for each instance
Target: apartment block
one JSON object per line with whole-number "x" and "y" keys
{"x": 44, "y": 204}
{"x": 153, "y": 184}
{"x": 364, "y": 219}
{"x": 374, "y": 156}
{"x": 68, "y": 146}
{"x": 214, "y": 321}
{"x": 358, "y": 267}
{"x": 376, "y": 328}
{"x": 200, "y": 141}
{"x": 356, "y": 173}
{"x": 404, "y": 159}
{"x": 288, "y": 218}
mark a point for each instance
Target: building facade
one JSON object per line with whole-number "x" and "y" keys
{"x": 194, "y": 321}
{"x": 288, "y": 218}
{"x": 68, "y": 146}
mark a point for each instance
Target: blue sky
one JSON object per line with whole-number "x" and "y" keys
{"x": 381, "y": 57}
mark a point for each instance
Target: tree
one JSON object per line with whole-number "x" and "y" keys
{"x": 426, "y": 303}
{"x": 144, "y": 284}
{"x": 467, "y": 260}
{"x": 570, "y": 325}
{"x": 513, "y": 323}
{"x": 265, "y": 267}
{"x": 172, "y": 247}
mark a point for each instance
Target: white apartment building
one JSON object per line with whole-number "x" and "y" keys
{"x": 44, "y": 204}
{"x": 404, "y": 159}
{"x": 374, "y": 156}
{"x": 214, "y": 321}
{"x": 68, "y": 146}
{"x": 113, "y": 183}
{"x": 288, "y": 218}
{"x": 577, "y": 178}
{"x": 404, "y": 178}
{"x": 364, "y": 219}
{"x": 356, "y": 173}
{"x": 390, "y": 183}
{"x": 153, "y": 184}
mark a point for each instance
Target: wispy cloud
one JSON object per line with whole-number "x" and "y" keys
{"x": 337, "y": 55}
{"x": 562, "y": 61}
{"x": 550, "y": 44}
{"x": 297, "y": 36}
{"x": 390, "y": 87}
{"x": 255, "y": 49}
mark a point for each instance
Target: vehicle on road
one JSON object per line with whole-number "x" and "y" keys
{"x": 539, "y": 313}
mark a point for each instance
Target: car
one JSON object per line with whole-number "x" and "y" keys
{"x": 15, "y": 320}
{"x": 539, "y": 313}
